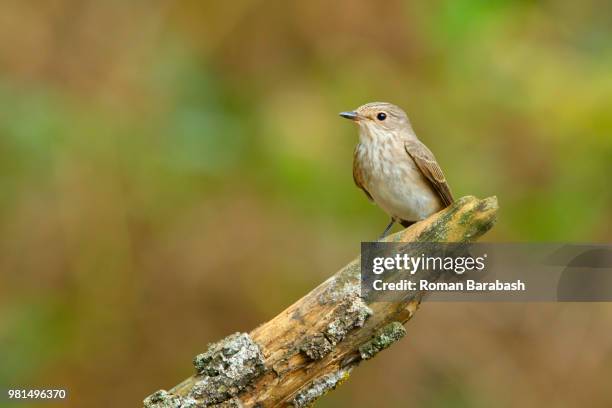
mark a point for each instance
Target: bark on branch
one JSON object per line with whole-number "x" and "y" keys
{"x": 311, "y": 347}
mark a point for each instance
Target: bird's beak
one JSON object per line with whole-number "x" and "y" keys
{"x": 350, "y": 115}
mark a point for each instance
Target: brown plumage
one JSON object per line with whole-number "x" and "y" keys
{"x": 358, "y": 175}
{"x": 425, "y": 160}
{"x": 393, "y": 167}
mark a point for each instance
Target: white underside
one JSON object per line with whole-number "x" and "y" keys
{"x": 405, "y": 200}
{"x": 395, "y": 183}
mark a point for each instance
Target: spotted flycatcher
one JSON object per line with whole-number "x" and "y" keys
{"x": 394, "y": 169}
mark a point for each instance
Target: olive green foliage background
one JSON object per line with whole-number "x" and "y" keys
{"x": 172, "y": 172}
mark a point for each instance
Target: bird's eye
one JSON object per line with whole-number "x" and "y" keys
{"x": 381, "y": 116}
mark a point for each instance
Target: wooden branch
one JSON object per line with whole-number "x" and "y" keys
{"x": 311, "y": 347}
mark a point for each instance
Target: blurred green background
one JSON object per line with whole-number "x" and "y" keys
{"x": 175, "y": 171}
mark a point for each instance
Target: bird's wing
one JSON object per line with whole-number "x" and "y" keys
{"x": 358, "y": 175}
{"x": 426, "y": 162}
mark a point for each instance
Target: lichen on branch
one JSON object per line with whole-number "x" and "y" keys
{"x": 309, "y": 349}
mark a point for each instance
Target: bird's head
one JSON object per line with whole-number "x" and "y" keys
{"x": 379, "y": 118}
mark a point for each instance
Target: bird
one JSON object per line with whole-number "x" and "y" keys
{"x": 394, "y": 168}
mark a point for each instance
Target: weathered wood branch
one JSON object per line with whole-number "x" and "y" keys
{"x": 312, "y": 346}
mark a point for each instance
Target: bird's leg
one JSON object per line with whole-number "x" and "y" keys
{"x": 386, "y": 231}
